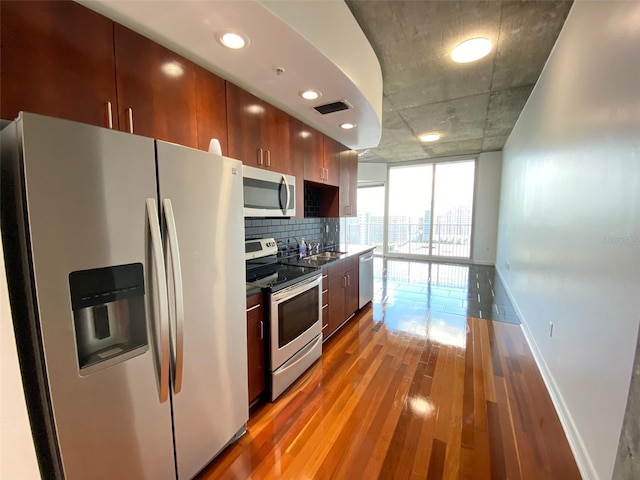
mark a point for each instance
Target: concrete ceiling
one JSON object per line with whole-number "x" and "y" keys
{"x": 473, "y": 106}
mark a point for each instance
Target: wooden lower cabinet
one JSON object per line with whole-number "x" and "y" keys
{"x": 342, "y": 294}
{"x": 325, "y": 303}
{"x": 351, "y": 294}
{"x": 255, "y": 346}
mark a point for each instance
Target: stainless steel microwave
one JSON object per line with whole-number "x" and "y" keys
{"x": 268, "y": 193}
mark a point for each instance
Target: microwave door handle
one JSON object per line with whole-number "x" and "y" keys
{"x": 176, "y": 268}
{"x": 286, "y": 184}
{"x": 161, "y": 319}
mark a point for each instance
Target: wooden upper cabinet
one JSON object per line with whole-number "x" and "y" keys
{"x": 156, "y": 89}
{"x": 324, "y": 165}
{"x": 348, "y": 183}
{"x": 258, "y": 133}
{"x": 57, "y": 60}
{"x": 211, "y": 108}
{"x": 306, "y": 147}
{"x": 331, "y": 158}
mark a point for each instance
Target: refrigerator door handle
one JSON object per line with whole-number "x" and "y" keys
{"x": 177, "y": 322}
{"x": 162, "y": 319}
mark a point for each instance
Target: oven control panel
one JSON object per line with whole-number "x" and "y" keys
{"x": 258, "y": 248}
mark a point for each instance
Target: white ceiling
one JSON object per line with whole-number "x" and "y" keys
{"x": 318, "y": 44}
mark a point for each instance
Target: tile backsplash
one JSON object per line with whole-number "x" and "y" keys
{"x": 323, "y": 230}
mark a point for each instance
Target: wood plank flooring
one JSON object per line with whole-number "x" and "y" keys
{"x": 450, "y": 400}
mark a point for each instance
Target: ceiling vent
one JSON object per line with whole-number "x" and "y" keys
{"x": 332, "y": 107}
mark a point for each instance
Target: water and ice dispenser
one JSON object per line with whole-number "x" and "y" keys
{"x": 109, "y": 315}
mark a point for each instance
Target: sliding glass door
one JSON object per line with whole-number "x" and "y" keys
{"x": 430, "y": 210}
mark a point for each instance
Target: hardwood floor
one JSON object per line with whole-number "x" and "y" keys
{"x": 420, "y": 395}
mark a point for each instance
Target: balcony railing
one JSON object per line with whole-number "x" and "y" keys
{"x": 449, "y": 239}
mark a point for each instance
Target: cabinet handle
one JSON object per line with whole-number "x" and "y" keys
{"x": 260, "y": 162}
{"x": 253, "y": 308}
{"x": 109, "y": 116}
{"x": 344, "y": 282}
{"x": 348, "y": 280}
{"x": 325, "y": 326}
{"x": 261, "y": 329}
{"x": 130, "y": 117}
{"x": 268, "y": 158}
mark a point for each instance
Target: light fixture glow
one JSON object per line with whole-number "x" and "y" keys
{"x": 430, "y": 137}
{"x": 233, "y": 40}
{"x": 348, "y": 126}
{"x": 172, "y": 69}
{"x": 310, "y": 94}
{"x": 471, "y": 50}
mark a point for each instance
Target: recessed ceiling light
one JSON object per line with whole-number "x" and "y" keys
{"x": 310, "y": 94}
{"x": 233, "y": 40}
{"x": 348, "y": 126}
{"x": 430, "y": 137}
{"x": 471, "y": 50}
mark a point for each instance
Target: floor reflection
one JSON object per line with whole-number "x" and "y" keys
{"x": 432, "y": 300}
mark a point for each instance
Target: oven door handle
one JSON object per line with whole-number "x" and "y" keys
{"x": 300, "y": 355}
{"x": 296, "y": 289}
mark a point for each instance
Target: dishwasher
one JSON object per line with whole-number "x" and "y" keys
{"x": 366, "y": 279}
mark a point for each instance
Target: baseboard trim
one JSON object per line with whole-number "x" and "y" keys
{"x": 585, "y": 465}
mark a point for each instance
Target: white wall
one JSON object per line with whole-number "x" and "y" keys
{"x": 486, "y": 205}
{"x": 17, "y": 453}
{"x": 372, "y": 173}
{"x": 569, "y": 231}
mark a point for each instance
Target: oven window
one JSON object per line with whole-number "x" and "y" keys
{"x": 296, "y": 315}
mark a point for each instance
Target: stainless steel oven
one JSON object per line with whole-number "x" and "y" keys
{"x": 295, "y": 331}
{"x": 294, "y": 314}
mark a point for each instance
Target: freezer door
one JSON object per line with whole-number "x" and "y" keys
{"x": 205, "y": 194}
{"x": 85, "y": 191}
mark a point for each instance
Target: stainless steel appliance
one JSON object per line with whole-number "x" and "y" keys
{"x": 268, "y": 193}
{"x": 126, "y": 281}
{"x": 295, "y": 312}
{"x": 366, "y": 279}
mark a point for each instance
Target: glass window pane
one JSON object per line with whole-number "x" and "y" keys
{"x": 453, "y": 209}
{"x": 409, "y": 209}
{"x": 368, "y": 227}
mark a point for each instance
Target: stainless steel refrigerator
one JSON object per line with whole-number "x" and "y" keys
{"x": 125, "y": 266}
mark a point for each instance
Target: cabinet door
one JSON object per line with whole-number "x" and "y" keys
{"x": 211, "y": 109}
{"x": 258, "y": 133}
{"x": 244, "y": 122}
{"x": 351, "y": 291}
{"x": 325, "y": 303}
{"x": 331, "y": 160}
{"x": 156, "y": 90}
{"x": 57, "y": 59}
{"x": 336, "y": 296}
{"x": 314, "y": 156}
{"x": 255, "y": 347}
{"x": 306, "y": 150}
{"x": 275, "y": 140}
{"x": 353, "y": 182}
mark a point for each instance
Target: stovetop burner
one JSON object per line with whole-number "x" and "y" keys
{"x": 277, "y": 276}
{"x": 264, "y": 271}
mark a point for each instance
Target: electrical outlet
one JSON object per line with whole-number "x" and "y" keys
{"x": 551, "y": 329}
{"x": 507, "y": 265}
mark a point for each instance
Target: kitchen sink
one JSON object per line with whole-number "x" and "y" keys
{"x": 325, "y": 256}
